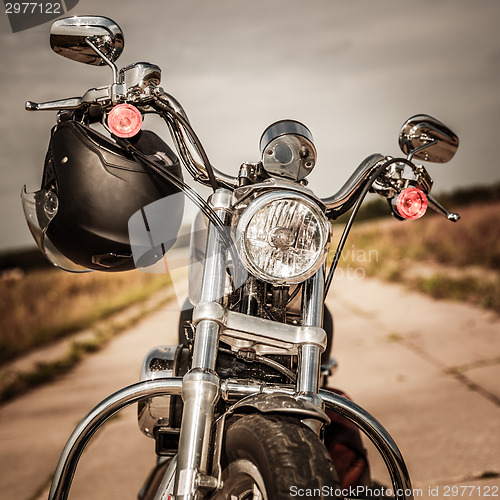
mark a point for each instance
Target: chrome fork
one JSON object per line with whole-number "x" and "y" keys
{"x": 308, "y": 371}
{"x": 201, "y": 385}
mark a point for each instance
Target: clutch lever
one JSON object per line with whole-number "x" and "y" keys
{"x": 70, "y": 103}
{"x": 100, "y": 95}
{"x": 437, "y": 207}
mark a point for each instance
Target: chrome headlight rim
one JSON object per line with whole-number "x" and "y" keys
{"x": 258, "y": 204}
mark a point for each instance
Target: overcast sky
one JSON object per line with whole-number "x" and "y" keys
{"x": 352, "y": 72}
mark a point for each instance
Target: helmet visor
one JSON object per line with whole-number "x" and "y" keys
{"x": 40, "y": 208}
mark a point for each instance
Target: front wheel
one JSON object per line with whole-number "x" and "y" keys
{"x": 274, "y": 457}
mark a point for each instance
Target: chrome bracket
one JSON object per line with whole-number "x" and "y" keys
{"x": 264, "y": 336}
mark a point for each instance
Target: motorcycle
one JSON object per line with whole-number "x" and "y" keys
{"x": 239, "y": 408}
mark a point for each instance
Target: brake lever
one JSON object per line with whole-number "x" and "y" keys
{"x": 437, "y": 207}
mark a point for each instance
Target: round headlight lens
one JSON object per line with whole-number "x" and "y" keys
{"x": 283, "y": 238}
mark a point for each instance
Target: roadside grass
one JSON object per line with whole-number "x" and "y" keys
{"x": 16, "y": 384}
{"x": 445, "y": 260}
{"x": 468, "y": 289}
{"x": 41, "y": 306}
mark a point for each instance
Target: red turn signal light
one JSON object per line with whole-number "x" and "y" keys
{"x": 124, "y": 120}
{"x": 411, "y": 203}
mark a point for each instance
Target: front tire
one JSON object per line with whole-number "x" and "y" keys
{"x": 274, "y": 457}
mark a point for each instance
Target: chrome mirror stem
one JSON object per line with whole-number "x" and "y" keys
{"x": 108, "y": 61}
{"x": 421, "y": 148}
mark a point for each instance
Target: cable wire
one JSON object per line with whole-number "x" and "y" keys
{"x": 164, "y": 107}
{"x": 364, "y": 190}
{"x": 207, "y": 210}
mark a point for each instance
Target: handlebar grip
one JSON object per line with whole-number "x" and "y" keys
{"x": 70, "y": 103}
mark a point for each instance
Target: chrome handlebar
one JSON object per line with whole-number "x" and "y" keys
{"x": 118, "y": 93}
{"x": 344, "y": 194}
{"x": 197, "y": 170}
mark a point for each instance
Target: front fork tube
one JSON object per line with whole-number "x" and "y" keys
{"x": 201, "y": 385}
{"x": 308, "y": 374}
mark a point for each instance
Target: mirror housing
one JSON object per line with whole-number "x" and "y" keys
{"x": 425, "y": 138}
{"x": 68, "y": 38}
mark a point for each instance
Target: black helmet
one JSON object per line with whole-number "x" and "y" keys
{"x": 90, "y": 189}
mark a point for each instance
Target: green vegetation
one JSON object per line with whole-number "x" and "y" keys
{"x": 18, "y": 383}
{"x": 468, "y": 288}
{"x": 42, "y": 305}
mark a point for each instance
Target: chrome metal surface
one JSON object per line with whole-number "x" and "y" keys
{"x": 70, "y": 103}
{"x": 287, "y": 150}
{"x": 437, "y": 207}
{"x": 233, "y": 390}
{"x": 218, "y": 443}
{"x": 399, "y": 176}
{"x": 140, "y": 75}
{"x": 248, "y": 173}
{"x": 160, "y": 362}
{"x": 345, "y": 193}
{"x": 262, "y": 335}
{"x": 92, "y": 43}
{"x": 200, "y": 388}
{"x": 284, "y": 127}
{"x": 242, "y": 480}
{"x": 200, "y": 391}
{"x": 170, "y": 101}
{"x": 312, "y": 299}
{"x": 259, "y": 203}
{"x": 196, "y": 169}
{"x": 378, "y": 436}
{"x": 69, "y": 38}
{"x": 97, "y": 94}
{"x": 129, "y": 395}
{"x": 80, "y": 437}
{"x": 440, "y": 142}
{"x": 281, "y": 403}
{"x": 166, "y": 487}
{"x": 308, "y": 371}
{"x": 419, "y": 149}
{"x": 214, "y": 275}
{"x": 205, "y": 350}
{"x": 101, "y": 94}
{"x": 197, "y": 248}
{"x": 244, "y": 194}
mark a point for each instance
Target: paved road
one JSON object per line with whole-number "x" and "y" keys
{"x": 427, "y": 370}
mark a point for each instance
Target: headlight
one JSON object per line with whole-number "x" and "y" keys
{"x": 283, "y": 237}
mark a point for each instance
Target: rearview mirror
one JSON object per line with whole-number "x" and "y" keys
{"x": 68, "y": 38}
{"x": 425, "y": 138}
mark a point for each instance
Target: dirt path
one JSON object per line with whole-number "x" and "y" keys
{"x": 427, "y": 370}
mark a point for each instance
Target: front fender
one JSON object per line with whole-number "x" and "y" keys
{"x": 286, "y": 404}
